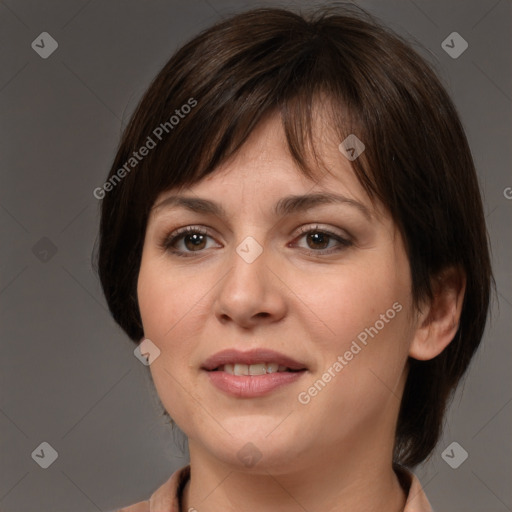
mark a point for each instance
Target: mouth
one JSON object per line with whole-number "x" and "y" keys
{"x": 252, "y": 374}
{"x": 254, "y": 369}
{"x": 252, "y": 363}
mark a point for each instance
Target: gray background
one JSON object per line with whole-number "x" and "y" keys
{"x": 68, "y": 375}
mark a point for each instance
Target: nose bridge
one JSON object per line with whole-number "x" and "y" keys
{"x": 248, "y": 265}
{"x": 248, "y": 290}
{"x": 249, "y": 250}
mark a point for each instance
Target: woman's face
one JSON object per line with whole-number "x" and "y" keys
{"x": 339, "y": 305}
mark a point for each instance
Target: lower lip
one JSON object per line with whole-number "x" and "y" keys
{"x": 244, "y": 386}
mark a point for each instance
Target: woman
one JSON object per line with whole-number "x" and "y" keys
{"x": 293, "y": 231}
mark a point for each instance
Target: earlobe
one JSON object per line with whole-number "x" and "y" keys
{"x": 438, "y": 321}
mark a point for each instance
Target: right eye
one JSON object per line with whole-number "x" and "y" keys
{"x": 192, "y": 239}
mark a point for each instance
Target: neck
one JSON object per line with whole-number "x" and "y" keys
{"x": 359, "y": 485}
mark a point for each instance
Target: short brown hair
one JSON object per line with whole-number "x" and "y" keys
{"x": 417, "y": 162}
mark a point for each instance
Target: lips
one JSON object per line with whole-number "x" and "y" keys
{"x": 253, "y": 374}
{"x": 256, "y": 358}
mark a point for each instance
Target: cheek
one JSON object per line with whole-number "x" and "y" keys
{"x": 173, "y": 305}
{"x": 166, "y": 298}
{"x": 367, "y": 311}
{"x": 350, "y": 301}
{"x": 166, "y": 305}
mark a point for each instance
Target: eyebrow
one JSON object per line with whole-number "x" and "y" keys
{"x": 285, "y": 206}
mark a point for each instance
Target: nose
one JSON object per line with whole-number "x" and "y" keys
{"x": 251, "y": 292}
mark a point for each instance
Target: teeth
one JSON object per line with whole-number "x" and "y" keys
{"x": 228, "y": 368}
{"x": 274, "y": 367}
{"x": 252, "y": 369}
{"x": 241, "y": 369}
{"x": 257, "y": 369}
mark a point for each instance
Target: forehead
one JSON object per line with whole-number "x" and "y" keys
{"x": 263, "y": 166}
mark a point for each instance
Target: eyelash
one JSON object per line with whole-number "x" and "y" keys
{"x": 169, "y": 240}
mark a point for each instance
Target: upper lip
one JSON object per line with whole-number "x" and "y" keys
{"x": 232, "y": 356}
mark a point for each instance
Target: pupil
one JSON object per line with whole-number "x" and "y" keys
{"x": 319, "y": 238}
{"x": 196, "y": 238}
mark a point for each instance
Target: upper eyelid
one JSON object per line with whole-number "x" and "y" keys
{"x": 301, "y": 230}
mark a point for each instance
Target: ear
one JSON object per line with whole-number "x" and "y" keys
{"x": 438, "y": 320}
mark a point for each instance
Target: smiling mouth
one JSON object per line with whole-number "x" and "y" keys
{"x": 254, "y": 369}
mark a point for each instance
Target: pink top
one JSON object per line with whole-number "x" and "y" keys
{"x": 167, "y": 497}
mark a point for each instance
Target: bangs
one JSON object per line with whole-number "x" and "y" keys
{"x": 240, "y": 74}
{"x": 231, "y": 104}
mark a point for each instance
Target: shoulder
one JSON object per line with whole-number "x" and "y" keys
{"x": 166, "y": 497}
{"x": 141, "y": 506}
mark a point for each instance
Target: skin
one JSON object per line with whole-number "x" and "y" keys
{"x": 334, "y": 453}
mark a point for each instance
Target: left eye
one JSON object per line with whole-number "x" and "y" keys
{"x": 320, "y": 239}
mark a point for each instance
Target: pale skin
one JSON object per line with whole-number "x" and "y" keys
{"x": 334, "y": 453}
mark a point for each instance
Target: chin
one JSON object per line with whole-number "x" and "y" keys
{"x": 257, "y": 449}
